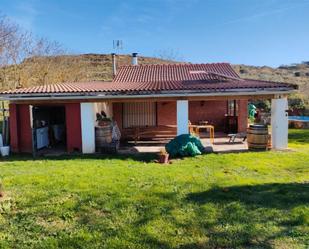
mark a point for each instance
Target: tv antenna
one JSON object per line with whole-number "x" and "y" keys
{"x": 117, "y": 44}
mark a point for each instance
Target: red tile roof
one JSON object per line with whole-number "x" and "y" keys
{"x": 174, "y": 72}
{"x": 148, "y": 79}
{"x": 74, "y": 87}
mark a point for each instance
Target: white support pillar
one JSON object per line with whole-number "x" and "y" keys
{"x": 279, "y": 123}
{"x": 87, "y": 114}
{"x": 182, "y": 117}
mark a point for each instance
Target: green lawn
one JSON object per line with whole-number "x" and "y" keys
{"x": 245, "y": 200}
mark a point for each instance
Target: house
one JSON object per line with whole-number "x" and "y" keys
{"x": 149, "y": 96}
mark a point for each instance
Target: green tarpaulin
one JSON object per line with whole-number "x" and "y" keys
{"x": 184, "y": 145}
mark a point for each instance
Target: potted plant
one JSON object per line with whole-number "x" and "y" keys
{"x": 102, "y": 119}
{"x": 163, "y": 156}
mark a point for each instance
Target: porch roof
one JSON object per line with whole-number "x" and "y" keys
{"x": 180, "y": 79}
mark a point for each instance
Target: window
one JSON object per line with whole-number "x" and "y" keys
{"x": 139, "y": 114}
{"x": 232, "y": 108}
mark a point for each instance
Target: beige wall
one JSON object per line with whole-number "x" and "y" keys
{"x": 104, "y": 106}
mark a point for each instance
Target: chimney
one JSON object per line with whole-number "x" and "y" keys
{"x": 114, "y": 64}
{"x": 134, "y": 59}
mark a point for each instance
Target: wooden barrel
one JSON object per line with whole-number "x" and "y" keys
{"x": 103, "y": 135}
{"x": 257, "y": 137}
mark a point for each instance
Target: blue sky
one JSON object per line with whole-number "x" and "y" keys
{"x": 255, "y": 32}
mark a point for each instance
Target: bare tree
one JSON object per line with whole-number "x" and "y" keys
{"x": 42, "y": 54}
{"x": 7, "y": 32}
{"x": 13, "y": 49}
{"x": 169, "y": 55}
{"x": 17, "y": 46}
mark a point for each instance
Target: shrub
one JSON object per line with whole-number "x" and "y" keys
{"x": 296, "y": 103}
{"x": 243, "y": 71}
{"x": 264, "y": 105}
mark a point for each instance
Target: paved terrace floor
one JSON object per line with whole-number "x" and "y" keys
{"x": 221, "y": 145}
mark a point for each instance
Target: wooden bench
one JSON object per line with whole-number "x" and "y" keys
{"x": 149, "y": 132}
{"x": 241, "y": 135}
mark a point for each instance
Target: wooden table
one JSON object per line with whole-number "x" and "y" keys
{"x": 203, "y": 122}
{"x": 196, "y": 130}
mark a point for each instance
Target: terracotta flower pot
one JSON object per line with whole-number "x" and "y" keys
{"x": 163, "y": 158}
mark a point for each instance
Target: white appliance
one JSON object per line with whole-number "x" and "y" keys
{"x": 42, "y": 137}
{"x": 4, "y": 150}
{"x": 58, "y": 132}
{"x": 1, "y": 140}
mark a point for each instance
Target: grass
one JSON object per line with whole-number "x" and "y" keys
{"x": 239, "y": 200}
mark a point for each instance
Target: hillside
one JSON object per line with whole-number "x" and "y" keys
{"x": 88, "y": 67}
{"x": 65, "y": 68}
{"x": 296, "y": 74}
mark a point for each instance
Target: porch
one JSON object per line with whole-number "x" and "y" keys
{"x": 147, "y": 125}
{"x": 221, "y": 144}
{"x": 157, "y": 119}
